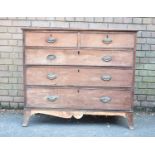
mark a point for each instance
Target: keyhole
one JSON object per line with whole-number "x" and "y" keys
{"x": 78, "y": 52}
{"x": 78, "y": 90}
{"x": 107, "y": 36}
{"x": 78, "y": 70}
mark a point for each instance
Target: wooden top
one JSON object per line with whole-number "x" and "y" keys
{"x": 70, "y": 29}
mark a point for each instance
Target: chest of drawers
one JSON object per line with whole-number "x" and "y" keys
{"x": 71, "y": 73}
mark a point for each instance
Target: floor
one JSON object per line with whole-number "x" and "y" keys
{"x": 88, "y": 126}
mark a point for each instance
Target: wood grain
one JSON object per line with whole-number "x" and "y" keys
{"x": 119, "y": 40}
{"x": 83, "y": 57}
{"x": 79, "y": 98}
{"x": 40, "y": 39}
{"x": 78, "y": 76}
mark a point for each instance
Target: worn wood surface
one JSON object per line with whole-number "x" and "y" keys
{"x": 79, "y": 98}
{"x": 78, "y": 76}
{"x": 62, "y": 39}
{"x": 79, "y": 57}
{"x": 129, "y": 117}
{"x": 76, "y": 114}
{"x": 118, "y": 40}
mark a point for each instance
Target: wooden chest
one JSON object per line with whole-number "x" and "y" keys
{"x": 71, "y": 73}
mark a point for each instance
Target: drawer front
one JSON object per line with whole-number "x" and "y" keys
{"x": 107, "y": 40}
{"x": 79, "y": 99}
{"x": 52, "y": 39}
{"x": 81, "y": 57}
{"x": 78, "y": 76}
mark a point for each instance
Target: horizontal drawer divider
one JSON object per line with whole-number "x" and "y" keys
{"x": 79, "y": 87}
{"x": 82, "y": 110}
{"x": 78, "y": 48}
{"x": 82, "y": 66}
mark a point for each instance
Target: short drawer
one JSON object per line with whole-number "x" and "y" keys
{"x": 78, "y": 76}
{"x": 107, "y": 40}
{"x": 79, "y": 98}
{"x": 52, "y": 39}
{"x": 79, "y": 57}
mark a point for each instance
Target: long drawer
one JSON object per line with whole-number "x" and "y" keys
{"x": 78, "y": 76}
{"x": 51, "y": 39}
{"x": 107, "y": 40}
{"x": 78, "y": 57}
{"x": 102, "y": 99}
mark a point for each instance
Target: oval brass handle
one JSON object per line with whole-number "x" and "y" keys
{"x": 51, "y": 40}
{"x": 105, "y": 99}
{"x": 106, "y": 77}
{"x": 52, "y": 98}
{"x": 51, "y": 57}
{"x": 107, "y": 40}
{"x": 51, "y": 76}
{"x": 107, "y": 58}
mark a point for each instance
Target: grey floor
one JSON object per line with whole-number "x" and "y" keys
{"x": 88, "y": 126}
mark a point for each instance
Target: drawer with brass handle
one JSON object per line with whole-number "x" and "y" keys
{"x": 79, "y": 98}
{"x": 107, "y": 58}
{"x": 78, "y": 76}
{"x": 107, "y": 40}
{"x": 51, "y": 76}
{"x": 106, "y": 77}
{"x": 54, "y": 39}
{"x": 51, "y": 57}
{"x": 51, "y": 39}
{"x": 105, "y": 99}
{"x": 85, "y": 58}
{"x": 52, "y": 98}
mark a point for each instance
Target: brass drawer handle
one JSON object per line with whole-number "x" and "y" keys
{"x": 51, "y": 76}
{"x": 106, "y": 77}
{"x": 51, "y": 57}
{"x": 52, "y": 98}
{"x": 107, "y": 58}
{"x": 51, "y": 39}
{"x": 105, "y": 99}
{"x": 107, "y": 40}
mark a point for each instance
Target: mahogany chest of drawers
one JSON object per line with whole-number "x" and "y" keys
{"x": 71, "y": 73}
